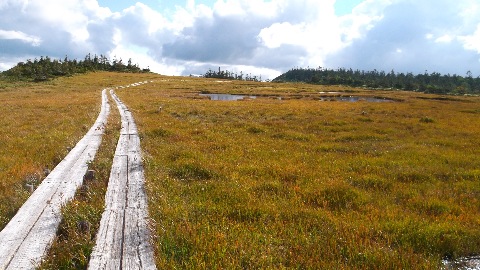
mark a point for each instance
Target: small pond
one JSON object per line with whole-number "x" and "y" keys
{"x": 226, "y": 97}
{"x": 355, "y": 99}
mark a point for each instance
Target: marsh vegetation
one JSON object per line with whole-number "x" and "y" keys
{"x": 279, "y": 181}
{"x": 298, "y": 183}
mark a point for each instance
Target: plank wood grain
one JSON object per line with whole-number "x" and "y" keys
{"x": 123, "y": 240}
{"x": 27, "y": 237}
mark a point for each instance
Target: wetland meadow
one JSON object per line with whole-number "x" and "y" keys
{"x": 292, "y": 176}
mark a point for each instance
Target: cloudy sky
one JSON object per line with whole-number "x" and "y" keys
{"x": 262, "y": 37}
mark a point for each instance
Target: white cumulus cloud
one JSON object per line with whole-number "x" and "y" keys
{"x": 472, "y": 42}
{"x": 435, "y": 36}
{"x": 35, "y": 41}
{"x": 266, "y": 36}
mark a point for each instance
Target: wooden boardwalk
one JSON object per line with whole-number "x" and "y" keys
{"x": 123, "y": 240}
{"x": 27, "y": 237}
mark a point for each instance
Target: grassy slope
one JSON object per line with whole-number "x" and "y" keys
{"x": 269, "y": 183}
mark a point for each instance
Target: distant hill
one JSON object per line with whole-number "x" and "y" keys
{"x": 428, "y": 83}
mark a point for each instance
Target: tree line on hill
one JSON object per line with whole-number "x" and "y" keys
{"x": 227, "y": 75}
{"x": 45, "y": 68}
{"x": 428, "y": 83}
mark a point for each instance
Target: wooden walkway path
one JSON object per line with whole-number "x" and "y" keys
{"x": 27, "y": 237}
{"x": 123, "y": 240}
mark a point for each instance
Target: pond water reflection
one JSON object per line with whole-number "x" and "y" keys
{"x": 230, "y": 97}
{"x": 226, "y": 97}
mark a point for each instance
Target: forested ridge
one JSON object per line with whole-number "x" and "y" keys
{"x": 228, "y": 75}
{"x": 45, "y": 68}
{"x": 428, "y": 83}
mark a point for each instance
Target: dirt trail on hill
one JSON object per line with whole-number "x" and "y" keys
{"x": 27, "y": 237}
{"x": 123, "y": 238}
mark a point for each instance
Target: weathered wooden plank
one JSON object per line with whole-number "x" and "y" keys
{"x": 128, "y": 211}
{"x": 111, "y": 224}
{"x": 136, "y": 247}
{"x": 27, "y": 237}
{"x": 50, "y": 217}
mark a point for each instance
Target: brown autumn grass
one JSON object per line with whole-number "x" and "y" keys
{"x": 39, "y": 122}
{"x": 285, "y": 183}
{"x": 301, "y": 183}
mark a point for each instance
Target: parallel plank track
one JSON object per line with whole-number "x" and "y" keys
{"x": 27, "y": 237}
{"x": 123, "y": 238}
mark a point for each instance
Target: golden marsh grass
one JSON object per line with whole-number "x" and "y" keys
{"x": 281, "y": 181}
{"x": 301, "y": 183}
{"x": 39, "y": 122}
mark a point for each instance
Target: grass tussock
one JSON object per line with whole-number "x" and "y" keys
{"x": 190, "y": 172}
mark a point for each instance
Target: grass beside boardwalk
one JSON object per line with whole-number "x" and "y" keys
{"x": 81, "y": 217}
{"x": 40, "y": 121}
{"x": 301, "y": 183}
